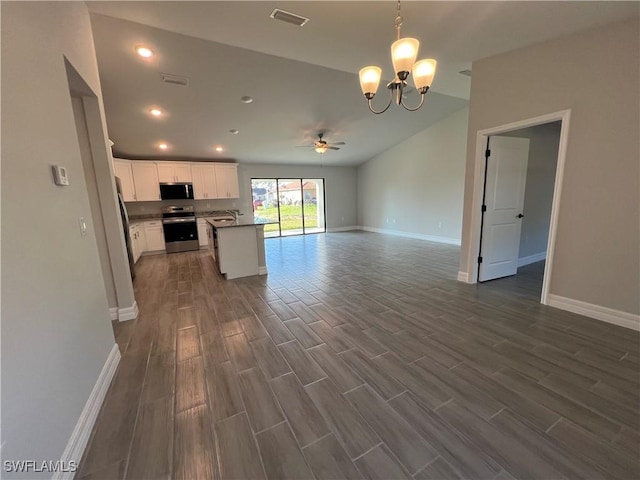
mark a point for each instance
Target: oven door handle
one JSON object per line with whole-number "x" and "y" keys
{"x": 179, "y": 220}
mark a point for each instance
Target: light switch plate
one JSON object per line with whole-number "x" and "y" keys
{"x": 83, "y": 227}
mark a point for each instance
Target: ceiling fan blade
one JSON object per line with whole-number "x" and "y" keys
{"x": 333, "y": 148}
{"x": 338, "y": 143}
{"x": 305, "y": 146}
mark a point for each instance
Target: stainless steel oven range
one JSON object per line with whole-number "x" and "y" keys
{"x": 180, "y": 229}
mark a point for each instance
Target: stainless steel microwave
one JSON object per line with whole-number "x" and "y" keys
{"x": 176, "y": 191}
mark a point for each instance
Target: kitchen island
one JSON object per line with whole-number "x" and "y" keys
{"x": 238, "y": 246}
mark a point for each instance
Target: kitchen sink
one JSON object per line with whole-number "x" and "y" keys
{"x": 223, "y": 221}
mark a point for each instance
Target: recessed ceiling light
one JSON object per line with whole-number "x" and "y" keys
{"x": 246, "y": 99}
{"x": 143, "y": 51}
{"x": 219, "y": 148}
{"x": 234, "y": 131}
{"x": 156, "y": 112}
{"x": 163, "y": 146}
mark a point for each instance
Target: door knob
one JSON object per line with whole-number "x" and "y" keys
{"x": 520, "y": 215}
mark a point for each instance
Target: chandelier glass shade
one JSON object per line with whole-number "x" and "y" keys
{"x": 404, "y": 52}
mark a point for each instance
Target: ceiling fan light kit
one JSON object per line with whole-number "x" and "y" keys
{"x": 404, "y": 52}
{"x": 321, "y": 146}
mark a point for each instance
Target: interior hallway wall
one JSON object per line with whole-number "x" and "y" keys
{"x": 56, "y": 333}
{"x": 597, "y": 259}
{"x": 417, "y": 187}
{"x": 94, "y": 201}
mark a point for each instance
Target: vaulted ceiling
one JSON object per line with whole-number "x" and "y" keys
{"x": 303, "y": 80}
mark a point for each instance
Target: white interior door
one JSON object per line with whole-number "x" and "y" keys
{"x": 504, "y": 200}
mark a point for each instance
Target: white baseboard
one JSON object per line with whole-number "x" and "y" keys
{"x": 463, "y": 277}
{"x": 536, "y": 257}
{"x": 113, "y": 313}
{"x": 262, "y": 270}
{"x": 418, "y": 236}
{"x": 605, "y": 314}
{"x": 128, "y": 313}
{"x": 81, "y": 432}
{"x": 152, "y": 252}
{"x": 343, "y": 229}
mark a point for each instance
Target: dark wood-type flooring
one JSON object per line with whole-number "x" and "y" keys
{"x": 361, "y": 356}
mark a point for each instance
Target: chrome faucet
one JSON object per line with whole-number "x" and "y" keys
{"x": 234, "y": 213}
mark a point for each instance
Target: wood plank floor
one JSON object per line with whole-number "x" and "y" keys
{"x": 361, "y": 356}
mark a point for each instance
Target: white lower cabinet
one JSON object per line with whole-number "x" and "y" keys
{"x": 154, "y": 236}
{"x": 138, "y": 240}
{"x": 203, "y": 239}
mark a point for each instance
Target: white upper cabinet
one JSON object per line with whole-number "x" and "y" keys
{"x": 122, "y": 170}
{"x": 174, "y": 172}
{"x": 140, "y": 180}
{"x": 145, "y": 180}
{"x": 204, "y": 181}
{"x": 227, "y": 181}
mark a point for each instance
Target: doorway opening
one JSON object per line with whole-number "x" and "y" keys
{"x": 295, "y": 205}
{"x": 515, "y": 208}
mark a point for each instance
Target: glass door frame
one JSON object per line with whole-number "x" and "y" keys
{"x": 293, "y": 179}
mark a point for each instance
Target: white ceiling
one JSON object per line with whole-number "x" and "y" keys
{"x": 303, "y": 79}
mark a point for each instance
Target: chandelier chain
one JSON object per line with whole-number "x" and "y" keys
{"x": 398, "y": 21}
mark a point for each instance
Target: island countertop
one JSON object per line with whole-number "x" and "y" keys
{"x": 240, "y": 222}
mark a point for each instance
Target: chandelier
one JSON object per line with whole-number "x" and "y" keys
{"x": 403, "y": 55}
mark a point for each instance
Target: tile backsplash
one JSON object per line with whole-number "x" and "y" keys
{"x": 146, "y": 208}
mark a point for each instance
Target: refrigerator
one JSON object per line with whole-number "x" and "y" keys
{"x": 125, "y": 227}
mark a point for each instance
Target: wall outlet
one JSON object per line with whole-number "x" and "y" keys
{"x": 208, "y": 205}
{"x": 439, "y": 224}
{"x": 387, "y": 219}
{"x": 343, "y": 219}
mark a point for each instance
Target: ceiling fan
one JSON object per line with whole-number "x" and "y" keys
{"x": 321, "y": 146}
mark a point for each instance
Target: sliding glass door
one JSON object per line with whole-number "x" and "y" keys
{"x": 296, "y": 204}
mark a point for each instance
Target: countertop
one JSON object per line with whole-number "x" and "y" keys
{"x": 240, "y": 222}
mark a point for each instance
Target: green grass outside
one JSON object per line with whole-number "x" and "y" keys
{"x": 290, "y": 217}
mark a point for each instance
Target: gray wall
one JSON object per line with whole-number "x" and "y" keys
{"x": 340, "y": 192}
{"x": 56, "y": 334}
{"x": 417, "y": 186}
{"x": 595, "y": 74}
{"x": 94, "y": 201}
{"x": 541, "y": 175}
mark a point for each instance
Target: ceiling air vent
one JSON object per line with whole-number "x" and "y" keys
{"x": 175, "y": 79}
{"x": 288, "y": 17}
{"x": 466, "y": 73}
